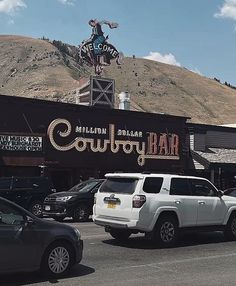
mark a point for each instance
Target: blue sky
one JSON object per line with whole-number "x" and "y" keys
{"x": 197, "y": 34}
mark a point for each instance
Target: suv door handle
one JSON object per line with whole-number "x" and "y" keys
{"x": 201, "y": 202}
{"x": 178, "y": 202}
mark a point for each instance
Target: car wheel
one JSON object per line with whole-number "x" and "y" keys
{"x": 57, "y": 260}
{"x": 81, "y": 213}
{"x": 166, "y": 231}
{"x": 120, "y": 235}
{"x": 36, "y": 208}
{"x": 230, "y": 231}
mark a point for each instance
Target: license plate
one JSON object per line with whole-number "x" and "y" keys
{"x": 47, "y": 208}
{"x": 111, "y": 205}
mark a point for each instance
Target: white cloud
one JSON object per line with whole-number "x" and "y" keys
{"x": 67, "y": 2}
{"x": 196, "y": 70}
{"x": 166, "y": 59}
{"x": 11, "y": 6}
{"x": 228, "y": 10}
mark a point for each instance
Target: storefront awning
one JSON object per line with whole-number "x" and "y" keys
{"x": 214, "y": 156}
{"x": 22, "y": 161}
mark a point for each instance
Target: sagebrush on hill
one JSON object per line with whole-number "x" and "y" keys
{"x": 50, "y": 70}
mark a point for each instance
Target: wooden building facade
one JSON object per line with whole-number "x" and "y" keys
{"x": 70, "y": 142}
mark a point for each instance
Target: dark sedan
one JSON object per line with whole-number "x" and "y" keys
{"x": 28, "y": 243}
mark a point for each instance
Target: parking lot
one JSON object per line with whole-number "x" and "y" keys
{"x": 198, "y": 259}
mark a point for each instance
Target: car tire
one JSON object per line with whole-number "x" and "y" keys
{"x": 230, "y": 230}
{"x": 120, "y": 235}
{"x": 81, "y": 213}
{"x": 57, "y": 260}
{"x": 36, "y": 208}
{"x": 166, "y": 231}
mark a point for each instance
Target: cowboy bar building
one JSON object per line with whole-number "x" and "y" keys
{"x": 70, "y": 142}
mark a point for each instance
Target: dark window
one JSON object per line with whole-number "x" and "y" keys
{"x": 5, "y": 183}
{"x": 34, "y": 183}
{"x": 9, "y": 215}
{"x": 203, "y": 188}
{"x": 119, "y": 185}
{"x": 21, "y": 183}
{"x": 180, "y": 186}
{"x": 39, "y": 184}
{"x": 152, "y": 185}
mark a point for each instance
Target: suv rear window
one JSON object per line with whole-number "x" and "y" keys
{"x": 152, "y": 185}
{"x": 119, "y": 185}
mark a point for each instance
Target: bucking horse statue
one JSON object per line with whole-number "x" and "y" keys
{"x": 96, "y": 51}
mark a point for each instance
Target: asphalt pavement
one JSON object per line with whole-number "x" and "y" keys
{"x": 198, "y": 259}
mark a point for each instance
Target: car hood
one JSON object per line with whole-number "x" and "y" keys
{"x": 62, "y": 194}
{"x": 66, "y": 194}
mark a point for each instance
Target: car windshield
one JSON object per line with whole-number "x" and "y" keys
{"x": 84, "y": 186}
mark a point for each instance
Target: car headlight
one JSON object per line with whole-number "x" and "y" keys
{"x": 63, "y": 199}
{"x": 77, "y": 233}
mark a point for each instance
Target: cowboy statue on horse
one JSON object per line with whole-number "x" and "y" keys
{"x": 96, "y": 51}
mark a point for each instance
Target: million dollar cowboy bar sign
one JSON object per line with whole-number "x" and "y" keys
{"x": 120, "y": 142}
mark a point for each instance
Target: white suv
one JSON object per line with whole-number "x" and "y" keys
{"x": 159, "y": 205}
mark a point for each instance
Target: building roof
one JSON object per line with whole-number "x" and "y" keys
{"x": 79, "y": 107}
{"x": 214, "y": 156}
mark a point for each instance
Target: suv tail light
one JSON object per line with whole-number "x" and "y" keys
{"x": 138, "y": 201}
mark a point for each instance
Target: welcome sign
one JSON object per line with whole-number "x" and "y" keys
{"x": 97, "y": 51}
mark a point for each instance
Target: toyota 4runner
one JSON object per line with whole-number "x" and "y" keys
{"x": 160, "y": 205}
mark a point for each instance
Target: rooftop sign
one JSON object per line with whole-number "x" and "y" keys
{"x": 96, "y": 51}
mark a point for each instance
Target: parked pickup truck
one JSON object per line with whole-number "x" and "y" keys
{"x": 160, "y": 205}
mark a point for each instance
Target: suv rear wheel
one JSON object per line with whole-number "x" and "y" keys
{"x": 81, "y": 213}
{"x": 230, "y": 231}
{"x": 36, "y": 208}
{"x": 166, "y": 231}
{"x": 120, "y": 234}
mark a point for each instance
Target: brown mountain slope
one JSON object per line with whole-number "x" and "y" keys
{"x": 36, "y": 68}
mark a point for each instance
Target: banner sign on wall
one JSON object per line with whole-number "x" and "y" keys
{"x": 110, "y": 140}
{"x": 21, "y": 143}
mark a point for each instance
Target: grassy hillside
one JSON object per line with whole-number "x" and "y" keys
{"x": 37, "y": 68}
